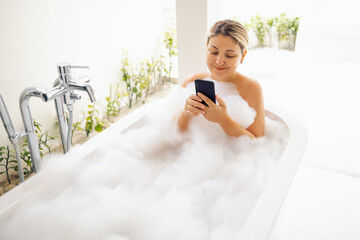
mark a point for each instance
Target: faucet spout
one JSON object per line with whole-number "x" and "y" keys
{"x": 84, "y": 87}
{"x": 29, "y": 124}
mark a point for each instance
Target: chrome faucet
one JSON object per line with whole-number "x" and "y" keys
{"x": 12, "y": 134}
{"x": 62, "y": 93}
{"x": 71, "y": 83}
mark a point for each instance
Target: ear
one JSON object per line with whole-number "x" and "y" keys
{"x": 243, "y": 56}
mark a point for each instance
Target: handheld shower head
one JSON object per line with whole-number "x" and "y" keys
{"x": 4, "y": 114}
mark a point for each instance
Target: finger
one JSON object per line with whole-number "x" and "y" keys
{"x": 195, "y": 97}
{"x": 220, "y": 101}
{"x": 195, "y": 103}
{"x": 191, "y": 113}
{"x": 195, "y": 110}
{"x": 206, "y": 99}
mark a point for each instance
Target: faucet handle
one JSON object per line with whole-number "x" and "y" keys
{"x": 80, "y": 79}
{"x": 64, "y": 70}
{"x": 79, "y": 67}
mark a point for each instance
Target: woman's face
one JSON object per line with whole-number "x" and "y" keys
{"x": 223, "y": 57}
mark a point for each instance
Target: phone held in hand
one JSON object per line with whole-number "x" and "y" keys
{"x": 207, "y": 88}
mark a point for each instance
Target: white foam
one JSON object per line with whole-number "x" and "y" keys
{"x": 154, "y": 183}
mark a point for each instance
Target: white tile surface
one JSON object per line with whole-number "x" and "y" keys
{"x": 285, "y": 232}
{"x": 321, "y": 205}
{"x": 306, "y": 236}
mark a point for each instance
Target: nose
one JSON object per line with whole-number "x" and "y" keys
{"x": 219, "y": 60}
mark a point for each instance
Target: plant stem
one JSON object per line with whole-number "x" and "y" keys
{"x": 7, "y": 163}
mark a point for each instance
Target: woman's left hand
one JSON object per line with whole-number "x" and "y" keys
{"x": 214, "y": 112}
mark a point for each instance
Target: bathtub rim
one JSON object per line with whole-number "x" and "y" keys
{"x": 260, "y": 222}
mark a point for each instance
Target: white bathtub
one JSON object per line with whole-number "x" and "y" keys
{"x": 259, "y": 224}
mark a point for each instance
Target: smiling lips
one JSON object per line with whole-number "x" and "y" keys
{"x": 219, "y": 69}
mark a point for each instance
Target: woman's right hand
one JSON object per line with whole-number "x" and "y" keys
{"x": 193, "y": 106}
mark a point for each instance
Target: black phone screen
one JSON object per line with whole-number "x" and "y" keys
{"x": 207, "y": 88}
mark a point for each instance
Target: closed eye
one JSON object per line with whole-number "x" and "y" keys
{"x": 216, "y": 53}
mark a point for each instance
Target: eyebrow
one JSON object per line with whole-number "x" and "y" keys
{"x": 230, "y": 50}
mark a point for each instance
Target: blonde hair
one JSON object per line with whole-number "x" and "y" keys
{"x": 233, "y": 29}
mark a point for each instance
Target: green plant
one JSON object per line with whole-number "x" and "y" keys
{"x": 113, "y": 105}
{"x": 26, "y": 156}
{"x": 93, "y": 121}
{"x": 126, "y": 77}
{"x": 270, "y": 21}
{"x": 150, "y": 72}
{"x": 43, "y": 138}
{"x": 142, "y": 80}
{"x": 248, "y": 26}
{"x": 294, "y": 26}
{"x": 171, "y": 46}
{"x": 287, "y": 27}
{"x": 259, "y": 27}
{"x": 6, "y": 156}
{"x": 77, "y": 126}
{"x": 270, "y": 24}
{"x": 43, "y": 142}
{"x": 100, "y": 124}
{"x": 160, "y": 69}
{"x": 137, "y": 79}
{"x": 89, "y": 124}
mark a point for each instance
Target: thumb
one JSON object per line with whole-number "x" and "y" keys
{"x": 221, "y": 102}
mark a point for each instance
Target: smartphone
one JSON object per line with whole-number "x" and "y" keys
{"x": 207, "y": 88}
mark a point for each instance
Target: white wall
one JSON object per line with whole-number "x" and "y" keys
{"x": 332, "y": 33}
{"x": 194, "y": 19}
{"x": 191, "y": 18}
{"x": 36, "y": 35}
{"x": 214, "y": 12}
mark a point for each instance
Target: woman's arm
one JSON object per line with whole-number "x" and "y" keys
{"x": 183, "y": 121}
{"x": 256, "y": 101}
{"x": 218, "y": 113}
{"x": 232, "y": 128}
{"x": 193, "y": 106}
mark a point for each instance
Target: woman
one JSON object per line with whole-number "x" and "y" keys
{"x": 226, "y": 48}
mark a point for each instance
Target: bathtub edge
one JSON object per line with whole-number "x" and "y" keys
{"x": 261, "y": 221}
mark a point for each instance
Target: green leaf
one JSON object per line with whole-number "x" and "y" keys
{"x": 98, "y": 128}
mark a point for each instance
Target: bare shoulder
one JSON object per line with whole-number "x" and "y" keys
{"x": 194, "y": 77}
{"x": 249, "y": 88}
{"x": 251, "y": 91}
